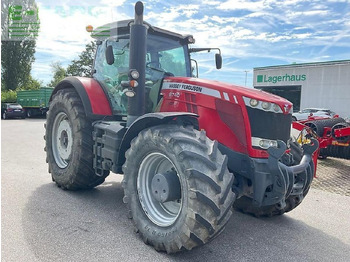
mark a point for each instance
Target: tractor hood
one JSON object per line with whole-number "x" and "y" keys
{"x": 223, "y": 90}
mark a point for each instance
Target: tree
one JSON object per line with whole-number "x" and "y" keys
{"x": 31, "y": 84}
{"x": 17, "y": 56}
{"x": 83, "y": 65}
{"x": 16, "y": 62}
{"x": 58, "y": 73}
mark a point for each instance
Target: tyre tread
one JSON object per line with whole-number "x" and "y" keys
{"x": 85, "y": 177}
{"x": 209, "y": 184}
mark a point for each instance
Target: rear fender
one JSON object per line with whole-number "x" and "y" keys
{"x": 153, "y": 119}
{"x": 92, "y": 95}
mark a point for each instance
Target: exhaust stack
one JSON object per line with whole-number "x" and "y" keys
{"x": 137, "y": 61}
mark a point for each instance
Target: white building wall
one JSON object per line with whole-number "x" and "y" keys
{"x": 327, "y": 85}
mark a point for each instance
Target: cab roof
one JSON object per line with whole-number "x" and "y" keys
{"x": 123, "y": 28}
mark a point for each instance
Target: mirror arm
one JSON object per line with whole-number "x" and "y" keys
{"x": 194, "y": 50}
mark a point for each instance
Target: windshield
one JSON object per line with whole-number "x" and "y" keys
{"x": 15, "y": 106}
{"x": 165, "y": 57}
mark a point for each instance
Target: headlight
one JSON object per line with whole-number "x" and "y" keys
{"x": 276, "y": 108}
{"x": 134, "y": 74}
{"x": 263, "y": 143}
{"x": 263, "y": 105}
{"x": 266, "y": 105}
{"x": 254, "y": 102}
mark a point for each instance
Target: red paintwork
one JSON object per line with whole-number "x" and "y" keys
{"x": 310, "y": 118}
{"x": 326, "y": 139}
{"x": 298, "y": 125}
{"x": 98, "y": 100}
{"x": 341, "y": 132}
{"x": 177, "y": 100}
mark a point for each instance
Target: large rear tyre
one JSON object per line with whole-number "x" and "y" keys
{"x": 69, "y": 144}
{"x": 245, "y": 204}
{"x": 199, "y": 185}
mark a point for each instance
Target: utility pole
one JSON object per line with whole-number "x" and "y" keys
{"x": 246, "y": 73}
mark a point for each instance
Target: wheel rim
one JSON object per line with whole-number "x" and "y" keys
{"x": 162, "y": 214}
{"x": 4, "y": 115}
{"x": 62, "y": 140}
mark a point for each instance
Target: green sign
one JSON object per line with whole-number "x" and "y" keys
{"x": 281, "y": 78}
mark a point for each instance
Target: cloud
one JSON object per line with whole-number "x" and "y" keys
{"x": 63, "y": 33}
{"x": 173, "y": 13}
{"x": 112, "y": 2}
{"x": 242, "y": 5}
{"x": 257, "y": 33}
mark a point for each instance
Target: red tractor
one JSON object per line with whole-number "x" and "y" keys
{"x": 189, "y": 149}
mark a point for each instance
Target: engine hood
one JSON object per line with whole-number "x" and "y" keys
{"x": 227, "y": 88}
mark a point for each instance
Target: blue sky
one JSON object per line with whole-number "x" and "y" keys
{"x": 250, "y": 33}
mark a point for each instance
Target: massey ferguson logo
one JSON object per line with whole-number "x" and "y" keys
{"x": 286, "y": 108}
{"x": 177, "y": 94}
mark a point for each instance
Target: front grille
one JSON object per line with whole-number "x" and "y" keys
{"x": 269, "y": 125}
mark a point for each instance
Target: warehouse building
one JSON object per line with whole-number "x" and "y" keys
{"x": 320, "y": 85}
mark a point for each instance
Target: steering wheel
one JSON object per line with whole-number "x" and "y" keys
{"x": 108, "y": 80}
{"x": 155, "y": 66}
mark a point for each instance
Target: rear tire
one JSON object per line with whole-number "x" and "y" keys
{"x": 206, "y": 198}
{"x": 4, "y": 116}
{"x": 69, "y": 144}
{"x": 245, "y": 204}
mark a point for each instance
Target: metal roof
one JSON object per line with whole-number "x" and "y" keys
{"x": 327, "y": 63}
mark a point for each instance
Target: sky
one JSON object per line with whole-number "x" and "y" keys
{"x": 250, "y": 33}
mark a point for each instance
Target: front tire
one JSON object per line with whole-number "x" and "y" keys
{"x": 69, "y": 144}
{"x": 203, "y": 204}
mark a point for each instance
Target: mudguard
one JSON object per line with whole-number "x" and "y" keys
{"x": 94, "y": 98}
{"x": 153, "y": 119}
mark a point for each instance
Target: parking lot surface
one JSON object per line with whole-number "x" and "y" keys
{"x": 333, "y": 175}
{"x": 41, "y": 222}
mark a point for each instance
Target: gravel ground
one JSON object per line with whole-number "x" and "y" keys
{"x": 333, "y": 175}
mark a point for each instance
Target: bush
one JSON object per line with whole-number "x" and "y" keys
{"x": 9, "y": 96}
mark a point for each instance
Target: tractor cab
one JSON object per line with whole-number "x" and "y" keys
{"x": 166, "y": 55}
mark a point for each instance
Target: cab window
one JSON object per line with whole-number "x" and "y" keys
{"x": 165, "y": 57}
{"x": 110, "y": 76}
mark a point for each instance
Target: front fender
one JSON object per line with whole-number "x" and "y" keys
{"x": 91, "y": 93}
{"x": 153, "y": 119}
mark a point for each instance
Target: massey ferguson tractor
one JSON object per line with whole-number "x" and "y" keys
{"x": 189, "y": 149}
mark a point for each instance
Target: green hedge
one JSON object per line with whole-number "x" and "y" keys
{"x": 9, "y": 96}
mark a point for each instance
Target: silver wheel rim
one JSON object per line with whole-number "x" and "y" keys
{"x": 62, "y": 140}
{"x": 161, "y": 214}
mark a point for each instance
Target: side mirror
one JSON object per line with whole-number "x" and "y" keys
{"x": 194, "y": 68}
{"x": 218, "y": 61}
{"x": 109, "y": 55}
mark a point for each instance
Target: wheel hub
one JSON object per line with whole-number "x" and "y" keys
{"x": 166, "y": 186}
{"x": 157, "y": 174}
{"x": 62, "y": 140}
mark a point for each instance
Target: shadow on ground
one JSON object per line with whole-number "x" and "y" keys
{"x": 93, "y": 226}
